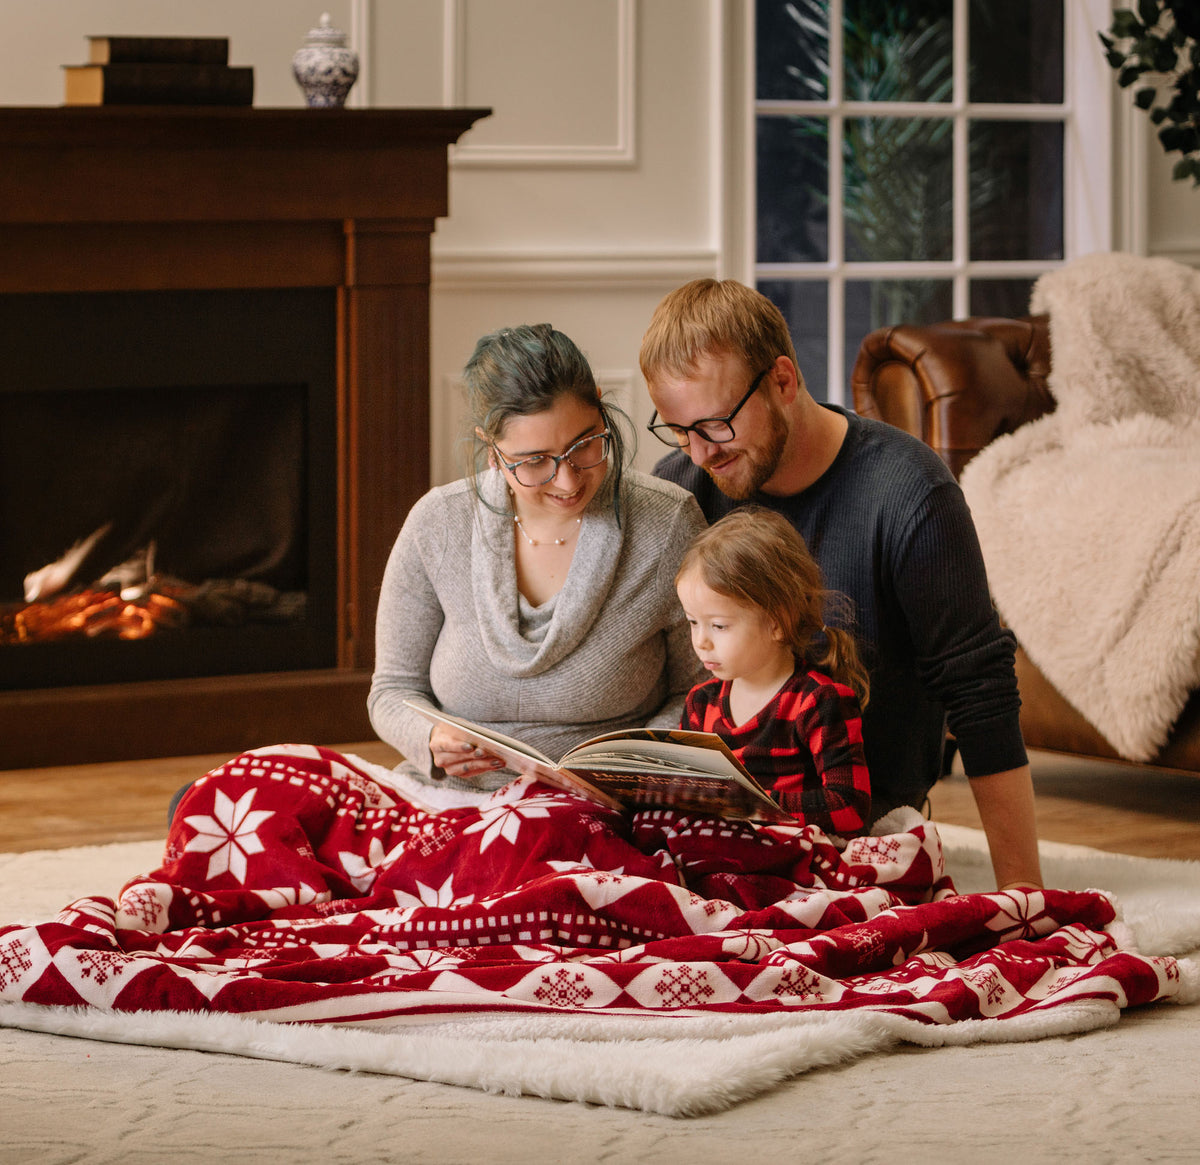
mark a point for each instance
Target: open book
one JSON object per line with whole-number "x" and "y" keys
{"x": 637, "y": 768}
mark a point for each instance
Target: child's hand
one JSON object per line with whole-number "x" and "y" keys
{"x": 458, "y": 757}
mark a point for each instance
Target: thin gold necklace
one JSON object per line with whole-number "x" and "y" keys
{"x": 534, "y": 541}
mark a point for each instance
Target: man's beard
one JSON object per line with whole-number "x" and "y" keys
{"x": 755, "y": 466}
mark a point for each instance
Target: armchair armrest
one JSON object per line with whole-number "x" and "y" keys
{"x": 956, "y": 385}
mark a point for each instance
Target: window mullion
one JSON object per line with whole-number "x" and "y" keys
{"x": 1084, "y": 111}
{"x": 837, "y": 263}
{"x": 836, "y": 301}
{"x": 984, "y": 112}
{"x": 961, "y": 208}
{"x": 836, "y": 74}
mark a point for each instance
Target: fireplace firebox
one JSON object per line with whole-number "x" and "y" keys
{"x": 215, "y": 326}
{"x": 190, "y": 435}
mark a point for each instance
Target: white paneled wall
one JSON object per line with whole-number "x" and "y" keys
{"x": 610, "y": 172}
{"x": 1173, "y": 209}
{"x": 41, "y": 36}
{"x": 586, "y": 196}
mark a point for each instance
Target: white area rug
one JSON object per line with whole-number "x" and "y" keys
{"x": 187, "y": 1105}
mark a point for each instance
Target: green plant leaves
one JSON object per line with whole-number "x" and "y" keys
{"x": 1126, "y": 24}
{"x": 1162, "y": 38}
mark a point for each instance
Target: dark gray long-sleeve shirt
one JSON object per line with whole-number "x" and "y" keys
{"x": 891, "y": 531}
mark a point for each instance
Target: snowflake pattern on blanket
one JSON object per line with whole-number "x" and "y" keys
{"x": 295, "y": 887}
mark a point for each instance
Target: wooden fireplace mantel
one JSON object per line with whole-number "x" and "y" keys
{"x": 189, "y": 198}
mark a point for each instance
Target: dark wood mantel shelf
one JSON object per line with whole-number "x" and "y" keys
{"x": 178, "y": 198}
{"x": 176, "y": 126}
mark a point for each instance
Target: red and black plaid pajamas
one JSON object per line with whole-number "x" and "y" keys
{"x": 805, "y": 746}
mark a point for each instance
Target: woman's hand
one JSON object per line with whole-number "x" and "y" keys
{"x": 457, "y": 757}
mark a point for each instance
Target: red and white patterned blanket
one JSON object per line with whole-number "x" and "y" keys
{"x": 296, "y": 886}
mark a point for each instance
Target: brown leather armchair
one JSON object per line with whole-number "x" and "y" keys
{"x": 958, "y": 385}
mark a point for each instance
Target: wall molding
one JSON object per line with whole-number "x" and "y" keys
{"x": 447, "y": 421}
{"x": 446, "y": 410}
{"x": 619, "y": 385}
{"x": 621, "y": 152}
{"x": 579, "y": 270}
{"x": 1133, "y": 214}
{"x": 1090, "y": 133}
{"x": 361, "y": 27}
{"x": 1185, "y": 252}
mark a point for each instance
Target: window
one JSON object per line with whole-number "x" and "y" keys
{"x": 920, "y": 159}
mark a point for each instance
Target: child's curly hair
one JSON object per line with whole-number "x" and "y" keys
{"x": 756, "y": 556}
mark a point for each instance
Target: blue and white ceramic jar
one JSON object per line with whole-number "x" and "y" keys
{"x": 324, "y": 67}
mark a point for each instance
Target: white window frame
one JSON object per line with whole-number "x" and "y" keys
{"x": 1086, "y": 114}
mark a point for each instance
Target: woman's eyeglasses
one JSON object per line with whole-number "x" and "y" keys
{"x": 586, "y": 453}
{"x": 716, "y": 430}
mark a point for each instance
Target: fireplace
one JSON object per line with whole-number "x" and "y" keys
{"x": 215, "y": 325}
{"x": 187, "y": 438}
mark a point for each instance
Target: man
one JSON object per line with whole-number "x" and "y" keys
{"x": 890, "y": 529}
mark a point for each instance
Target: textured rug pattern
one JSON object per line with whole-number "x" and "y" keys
{"x": 1121, "y": 1092}
{"x": 671, "y": 964}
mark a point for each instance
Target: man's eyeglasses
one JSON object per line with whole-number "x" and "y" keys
{"x": 716, "y": 430}
{"x": 584, "y": 454}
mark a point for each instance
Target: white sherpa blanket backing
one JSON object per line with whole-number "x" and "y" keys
{"x": 1089, "y": 518}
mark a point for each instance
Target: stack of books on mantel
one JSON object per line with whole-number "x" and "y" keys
{"x": 158, "y": 70}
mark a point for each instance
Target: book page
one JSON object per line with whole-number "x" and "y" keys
{"x": 497, "y": 742}
{"x": 689, "y": 792}
{"x": 692, "y": 770}
{"x": 662, "y": 752}
{"x": 520, "y": 757}
{"x": 641, "y": 767}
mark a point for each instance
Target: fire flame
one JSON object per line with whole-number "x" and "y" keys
{"x": 91, "y": 613}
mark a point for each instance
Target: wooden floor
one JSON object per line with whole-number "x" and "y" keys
{"x": 1112, "y": 807}
{"x": 53, "y": 808}
{"x": 1117, "y": 807}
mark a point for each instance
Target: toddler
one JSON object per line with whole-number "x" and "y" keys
{"x": 787, "y": 691}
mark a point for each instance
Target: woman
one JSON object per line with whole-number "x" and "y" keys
{"x": 536, "y": 596}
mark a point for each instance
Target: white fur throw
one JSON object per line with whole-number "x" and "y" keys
{"x": 1089, "y": 518}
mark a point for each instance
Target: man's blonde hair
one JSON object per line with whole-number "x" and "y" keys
{"x": 710, "y": 317}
